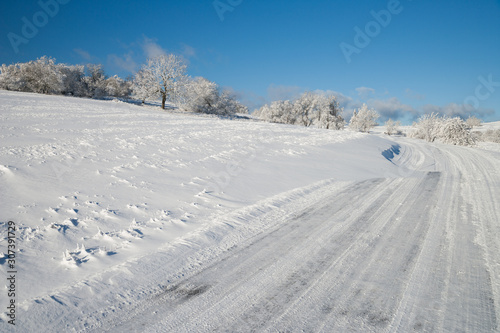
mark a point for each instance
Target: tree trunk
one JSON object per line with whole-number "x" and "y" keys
{"x": 163, "y": 99}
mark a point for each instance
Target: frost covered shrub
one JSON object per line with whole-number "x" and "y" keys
{"x": 472, "y": 121}
{"x": 281, "y": 112}
{"x": 73, "y": 80}
{"x": 11, "y": 78}
{"x": 455, "y": 131}
{"x": 431, "y": 127}
{"x": 392, "y": 127}
{"x": 203, "y": 96}
{"x": 428, "y": 127}
{"x": 309, "y": 109}
{"x": 492, "y": 136}
{"x": 118, "y": 87}
{"x": 363, "y": 119}
{"x": 228, "y": 105}
{"x": 477, "y": 136}
{"x": 40, "y": 76}
{"x": 143, "y": 85}
{"x": 329, "y": 114}
{"x": 95, "y": 81}
{"x": 44, "y": 76}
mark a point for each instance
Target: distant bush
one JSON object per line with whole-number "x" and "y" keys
{"x": 491, "y": 136}
{"x": 203, "y": 96}
{"x": 162, "y": 78}
{"x": 472, "y": 121}
{"x": 427, "y": 127}
{"x": 431, "y": 127}
{"x": 392, "y": 127}
{"x": 363, "y": 119}
{"x": 44, "y": 76}
{"x": 455, "y": 131}
{"x": 309, "y": 109}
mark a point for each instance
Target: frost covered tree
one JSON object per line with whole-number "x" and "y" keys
{"x": 46, "y": 77}
{"x": 40, "y": 76}
{"x": 203, "y": 96}
{"x": 363, "y": 119}
{"x": 473, "y": 121}
{"x": 432, "y": 127}
{"x": 11, "y": 78}
{"x": 455, "y": 131}
{"x": 282, "y": 112}
{"x": 491, "y": 135}
{"x": 43, "y": 76}
{"x": 143, "y": 85}
{"x": 117, "y": 87}
{"x": 309, "y": 109}
{"x": 95, "y": 81}
{"x": 428, "y": 127}
{"x": 392, "y": 127}
{"x": 305, "y": 109}
{"x": 230, "y": 104}
{"x": 73, "y": 80}
{"x": 278, "y": 112}
{"x": 330, "y": 113}
{"x": 162, "y": 77}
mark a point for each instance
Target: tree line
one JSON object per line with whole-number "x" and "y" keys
{"x": 44, "y": 76}
{"x": 165, "y": 78}
{"x": 162, "y": 78}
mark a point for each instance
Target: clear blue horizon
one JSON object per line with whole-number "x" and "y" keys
{"x": 403, "y": 58}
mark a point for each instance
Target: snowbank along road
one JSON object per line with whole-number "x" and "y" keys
{"x": 402, "y": 237}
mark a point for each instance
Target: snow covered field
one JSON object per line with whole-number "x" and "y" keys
{"x": 130, "y": 219}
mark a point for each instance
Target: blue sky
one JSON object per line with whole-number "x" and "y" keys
{"x": 419, "y": 56}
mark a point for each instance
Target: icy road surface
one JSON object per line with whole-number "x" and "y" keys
{"x": 410, "y": 254}
{"x": 135, "y": 220}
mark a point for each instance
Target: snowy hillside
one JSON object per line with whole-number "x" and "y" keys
{"x": 130, "y": 218}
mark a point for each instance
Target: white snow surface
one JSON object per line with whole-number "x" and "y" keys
{"x": 133, "y": 219}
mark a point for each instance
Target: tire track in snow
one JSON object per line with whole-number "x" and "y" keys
{"x": 271, "y": 288}
{"x": 251, "y": 265}
{"x": 418, "y": 253}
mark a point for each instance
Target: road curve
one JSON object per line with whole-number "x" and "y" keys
{"x": 411, "y": 252}
{"x": 417, "y": 252}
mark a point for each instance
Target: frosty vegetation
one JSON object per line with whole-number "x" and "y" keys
{"x": 473, "y": 121}
{"x": 392, "y": 127}
{"x": 363, "y": 119}
{"x": 162, "y": 78}
{"x": 165, "y": 78}
{"x": 310, "y": 109}
{"x": 432, "y": 127}
{"x": 44, "y": 76}
{"x": 204, "y": 96}
{"x": 488, "y": 136}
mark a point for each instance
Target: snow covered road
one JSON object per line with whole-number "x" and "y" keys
{"x": 418, "y": 253}
{"x": 184, "y": 223}
{"x": 415, "y": 253}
